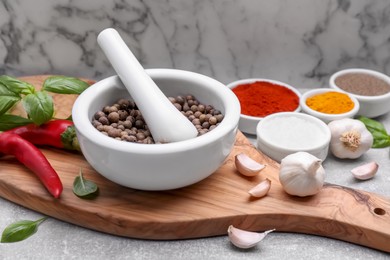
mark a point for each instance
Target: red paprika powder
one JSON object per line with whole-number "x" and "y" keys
{"x": 262, "y": 98}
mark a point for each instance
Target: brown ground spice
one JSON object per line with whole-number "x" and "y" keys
{"x": 362, "y": 84}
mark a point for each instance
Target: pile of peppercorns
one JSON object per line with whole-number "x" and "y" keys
{"x": 123, "y": 120}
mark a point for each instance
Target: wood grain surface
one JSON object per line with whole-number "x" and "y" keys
{"x": 204, "y": 209}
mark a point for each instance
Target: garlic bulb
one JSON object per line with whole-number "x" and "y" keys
{"x": 349, "y": 138}
{"x": 301, "y": 174}
{"x": 245, "y": 239}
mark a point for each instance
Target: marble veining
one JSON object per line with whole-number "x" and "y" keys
{"x": 300, "y": 42}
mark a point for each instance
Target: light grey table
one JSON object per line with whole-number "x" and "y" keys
{"x": 59, "y": 240}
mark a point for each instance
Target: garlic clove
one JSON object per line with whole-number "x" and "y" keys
{"x": 247, "y": 166}
{"x": 261, "y": 189}
{"x": 245, "y": 239}
{"x": 366, "y": 171}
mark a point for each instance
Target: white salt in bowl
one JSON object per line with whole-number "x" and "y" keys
{"x": 157, "y": 166}
{"x": 249, "y": 123}
{"x": 370, "y": 106}
{"x": 326, "y": 117}
{"x": 281, "y": 134}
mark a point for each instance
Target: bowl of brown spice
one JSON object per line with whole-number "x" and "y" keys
{"x": 116, "y": 141}
{"x": 369, "y": 87}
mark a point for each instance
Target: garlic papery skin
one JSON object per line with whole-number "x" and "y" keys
{"x": 261, "y": 189}
{"x": 301, "y": 174}
{"x": 247, "y": 166}
{"x": 349, "y": 138}
{"x": 366, "y": 171}
{"x": 245, "y": 239}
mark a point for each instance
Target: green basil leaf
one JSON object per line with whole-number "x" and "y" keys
{"x": 84, "y": 188}
{"x": 64, "y": 85}
{"x": 373, "y": 125}
{"x": 6, "y": 91}
{"x": 20, "y": 230}
{"x": 7, "y": 102}
{"x": 8, "y": 122}
{"x": 39, "y": 107}
{"x": 378, "y": 131}
{"x": 381, "y": 142}
{"x": 16, "y": 85}
{"x": 8, "y": 98}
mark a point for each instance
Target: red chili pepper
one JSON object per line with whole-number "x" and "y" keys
{"x": 26, "y": 153}
{"x": 58, "y": 133}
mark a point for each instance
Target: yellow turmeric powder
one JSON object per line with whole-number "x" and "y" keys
{"x": 330, "y": 103}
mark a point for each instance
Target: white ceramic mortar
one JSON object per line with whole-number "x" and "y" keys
{"x": 158, "y": 166}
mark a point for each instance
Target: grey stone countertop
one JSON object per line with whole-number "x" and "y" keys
{"x": 60, "y": 240}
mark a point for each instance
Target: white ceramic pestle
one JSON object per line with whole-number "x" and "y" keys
{"x": 166, "y": 123}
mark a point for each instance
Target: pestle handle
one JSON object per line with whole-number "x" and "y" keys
{"x": 165, "y": 122}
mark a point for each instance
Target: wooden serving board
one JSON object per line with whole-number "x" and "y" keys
{"x": 203, "y": 209}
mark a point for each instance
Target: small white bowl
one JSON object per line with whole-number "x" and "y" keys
{"x": 248, "y": 123}
{"x": 324, "y": 116}
{"x": 281, "y": 134}
{"x": 157, "y": 166}
{"x": 370, "y": 106}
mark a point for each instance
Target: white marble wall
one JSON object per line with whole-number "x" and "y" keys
{"x": 300, "y": 42}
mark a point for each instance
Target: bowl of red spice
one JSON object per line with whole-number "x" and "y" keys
{"x": 371, "y": 88}
{"x": 329, "y": 104}
{"x": 262, "y": 97}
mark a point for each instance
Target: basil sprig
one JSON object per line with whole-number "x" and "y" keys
{"x": 378, "y": 131}
{"x": 20, "y": 230}
{"x": 84, "y": 188}
{"x": 37, "y": 104}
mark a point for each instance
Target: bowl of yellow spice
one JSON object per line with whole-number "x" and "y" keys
{"x": 329, "y": 104}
